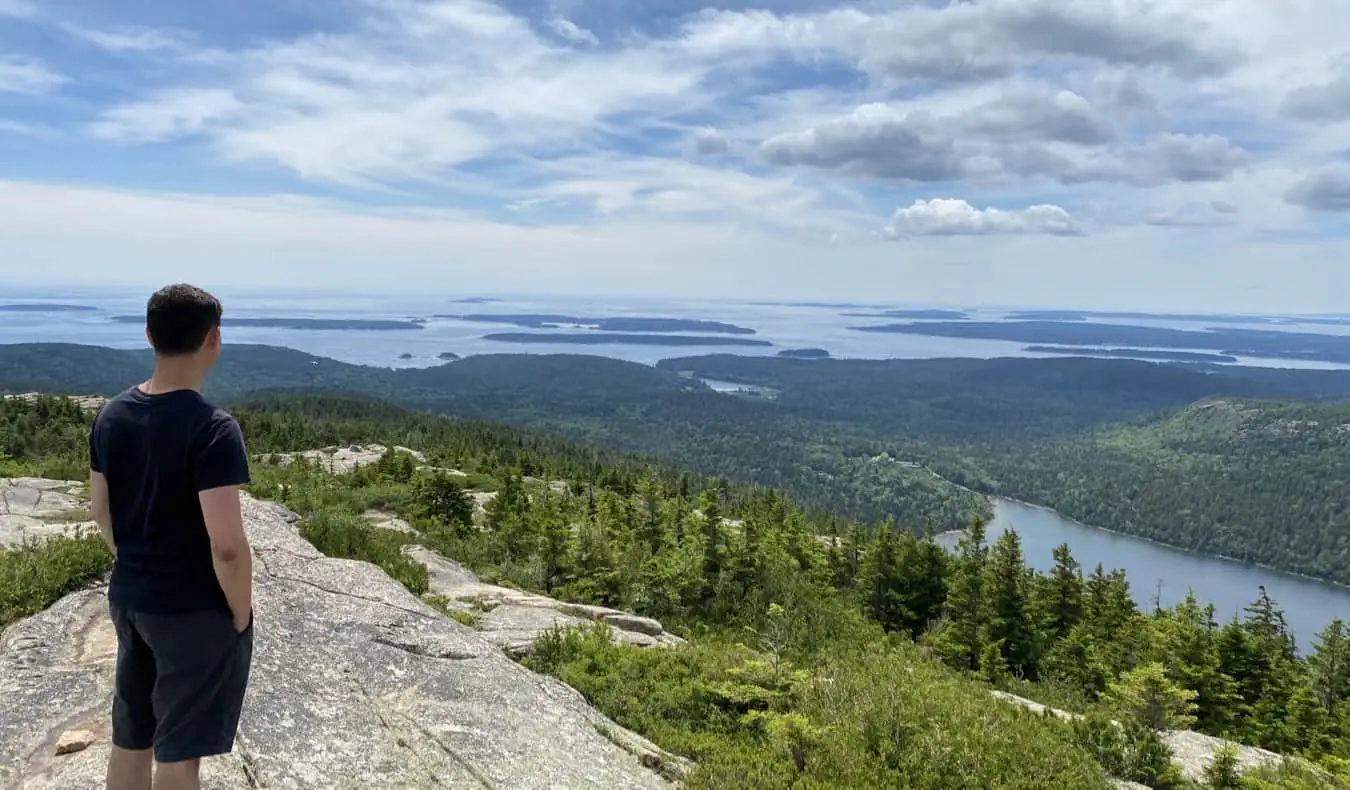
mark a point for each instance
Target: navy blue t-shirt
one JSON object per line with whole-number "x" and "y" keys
{"x": 157, "y": 452}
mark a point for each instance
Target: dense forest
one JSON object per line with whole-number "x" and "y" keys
{"x": 916, "y": 441}
{"x": 858, "y": 657}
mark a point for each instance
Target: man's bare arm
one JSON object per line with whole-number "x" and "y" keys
{"x": 231, "y": 555}
{"x": 98, "y": 505}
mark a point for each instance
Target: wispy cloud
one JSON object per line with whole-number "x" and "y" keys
{"x": 21, "y": 74}
{"x": 743, "y": 129}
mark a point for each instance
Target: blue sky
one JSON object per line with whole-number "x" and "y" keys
{"x": 1111, "y": 153}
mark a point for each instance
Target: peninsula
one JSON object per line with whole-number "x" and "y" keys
{"x": 620, "y": 338}
{"x": 611, "y": 324}
{"x": 1132, "y": 353}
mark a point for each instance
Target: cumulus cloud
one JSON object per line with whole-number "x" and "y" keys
{"x": 955, "y": 217}
{"x": 710, "y": 142}
{"x": 964, "y": 42}
{"x": 20, "y": 74}
{"x": 1327, "y": 189}
{"x": 1056, "y": 136}
{"x": 1327, "y": 102}
{"x": 871, "y": 141}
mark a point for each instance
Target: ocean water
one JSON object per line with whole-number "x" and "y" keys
{"x": 783, "y": 325}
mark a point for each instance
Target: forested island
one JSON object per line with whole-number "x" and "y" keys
{"x": 1084, "y": 315}
{"x": 924, "y": 314}
{"x": 804, "y": 353}
{"x": 1132, "y": 353}
{"x": 625, "y": 338}
{"x": 364, "y": 324}
{"x": 611, "y": 324}
{"x": 44, "y": 307}
{"x": 821, "y": 653}
{"x": 1269, "y": 344}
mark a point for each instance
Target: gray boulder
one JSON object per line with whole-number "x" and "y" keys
{"x": 356, "y": 684}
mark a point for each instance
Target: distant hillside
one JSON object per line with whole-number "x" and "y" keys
{"x": 1028, "y": 428}
{"x": 1252, "y": 480}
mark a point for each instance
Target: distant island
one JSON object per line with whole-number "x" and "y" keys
{"x": 1134, "y": 353}
{"x": 1234, "y": 341}
{"x": 804, "y": 353}
{"x": 448, "y": 356}
{"x": 302, "y": 323}
{"x": 405, "y": 355}
{"x": 592, "y": 338}
{"x": 474, "y": 300}
{"x": 615, "y": 324}
{"x": 45, "y": 308}
{"x": 828, "y": 305}
{"x": 1084, "y": 315}
{"x": 928, "y": 315}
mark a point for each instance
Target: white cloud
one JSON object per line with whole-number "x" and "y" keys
{"x": 955, "y": 217}
{"x": 710, "y": 142}
{"x": 131, "y": 40}
{"x": 1135, "y": 117}
{"x": 570, "y": 31}
{"x": 20, "y": 74}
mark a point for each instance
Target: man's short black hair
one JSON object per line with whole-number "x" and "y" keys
{"x": 179, "y": 317}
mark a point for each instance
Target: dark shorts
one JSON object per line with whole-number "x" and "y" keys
{"x": 180, "y": 682}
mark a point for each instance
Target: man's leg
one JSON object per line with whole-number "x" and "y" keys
{"x": 133, "y": 718}
{"x": 202, "y": 667}
{"x": 183, "y": 775}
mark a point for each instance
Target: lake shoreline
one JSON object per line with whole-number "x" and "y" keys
{"x": 1190, "y": 552}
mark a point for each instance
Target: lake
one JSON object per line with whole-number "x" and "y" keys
{"x": 1156, "y": 571}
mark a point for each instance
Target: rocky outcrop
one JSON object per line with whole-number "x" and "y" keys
{"x": 33, "y": 510}
{"x": 86, "y": 402}
{"x": 339, "y": 460}
{"x": 356, "y": 684}
{"x": 513, "y": 619}
{"x": 1192, "y": 752}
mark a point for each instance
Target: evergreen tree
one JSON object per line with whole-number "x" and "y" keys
{"x": 1330, "y": 666}
{"x": 1060, "y": 595}
{"x": 1007, "y": 584}
{"x": 961, "y": 641}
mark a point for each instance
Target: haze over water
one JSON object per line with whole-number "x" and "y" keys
{"x": 783, "y": 325}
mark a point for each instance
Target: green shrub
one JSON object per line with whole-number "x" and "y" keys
{"x": 36, "y": 575}
{"x": 349, "y": 535}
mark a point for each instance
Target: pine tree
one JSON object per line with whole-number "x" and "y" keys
{"x": 1330, "y": 666}
{"x": 1147, "y": 696}
{"x": 1007, "y": 584}
{"x": 962, "y": 638}
{"x": 1060, "y": 595}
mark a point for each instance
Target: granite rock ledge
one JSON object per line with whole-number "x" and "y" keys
{"x": 356, "y": 684}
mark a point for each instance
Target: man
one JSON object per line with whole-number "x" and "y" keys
{"x": 165, "y": 468}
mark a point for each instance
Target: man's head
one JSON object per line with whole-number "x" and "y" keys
{"x": 183, "y": 321}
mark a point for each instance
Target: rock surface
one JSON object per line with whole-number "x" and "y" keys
{"x": 339, "y": 460}
{"x": 514, "y": 619}
{"x": 1192, "y": 751}
{"x": 86, "y": 402}
{"x": 356, "y": 684}
{"x": 33, "y": 509}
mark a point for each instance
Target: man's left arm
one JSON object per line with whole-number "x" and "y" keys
{"x": 98, "y": 504}
{"x": 98, "y": 491}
